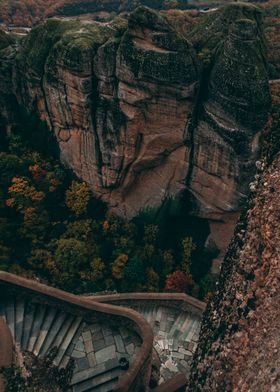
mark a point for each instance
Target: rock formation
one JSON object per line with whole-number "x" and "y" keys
{"x": 138, "y": 116}
{"x": 239, "y": 340}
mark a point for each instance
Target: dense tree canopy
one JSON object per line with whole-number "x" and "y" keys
{"x": 54, "y": 229}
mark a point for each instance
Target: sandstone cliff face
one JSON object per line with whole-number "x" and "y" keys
{"x": 233, "y": 111}
{"x": 239, "y": 340}
{"x": 137, "y": 116}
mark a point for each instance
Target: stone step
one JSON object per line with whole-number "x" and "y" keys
{"x": 94, "y": 372}
{"x": 62, "y": 332}
{"x": 67, "y": 340}
{"x": 193, "y": 331}
{"x": 185, "y": 334}
{"x": 45, "y": 329}
{"x": 37, "y": 323}
{"x": 154, "y": 315}
{"x": 177, "y": 324}
{"x": 158, "y": 314}
{"x": 145, "y": 312}
{"x": 98, "y": 382}
{"x": 52, "y": 334}
{"x": 10, "y": 316}
{"x": 185, "y": 324}
{"x": 149, "y": 314}
{"x": 19, "y": 320}
{"x": 107, "y": 387}
{"x": 29, "y": 316}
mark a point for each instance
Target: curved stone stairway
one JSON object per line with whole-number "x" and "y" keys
{"x": 176, "y": 334}
{"x": 95, "y": 348}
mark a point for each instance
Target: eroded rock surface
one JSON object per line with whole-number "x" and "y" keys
{"x": 139, "y": 118}
{"x": 239, "y": 339}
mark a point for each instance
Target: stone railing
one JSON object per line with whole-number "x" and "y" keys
{"x": 115, "y": 309}
{"x": 180, "y": 301}
{"x": 137, "y": 377}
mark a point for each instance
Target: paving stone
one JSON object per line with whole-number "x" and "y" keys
{"x": 79, "y": 346}
{"x": 112, "y": 363}
{"x": 98, "y": 344}
{"x": 130, "y": 349}
{"x": 88, "y": 346}
{"x": 188, "y": 358}
{"x": 105, "y": 354}
{"x": 87, "y": 335}
{"x": 82, "y": 363}
{"x": 97, "y": 335}
{"x": 185, "y": 352}
{"x": 119, "y": 343}
{"x": 106, "y": 331}
{"x": 171, "y": 366}
{"x": 78, "y": 354}
{"x": 184, "y": 363}
{"x": 177, "y": 355}
{"x": 128, "y": 340}
{"x": 95, "y": 327}
{"x": 109, "y": 340}
{"x": 124, "y": 332}
{"x": 181, "y": 368}
{"x": 91, "y": 359}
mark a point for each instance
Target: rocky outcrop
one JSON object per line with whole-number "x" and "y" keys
{"x": 239, "y": 340}
{"x": 234, "y": 111}
{"x": 139, "y": 118}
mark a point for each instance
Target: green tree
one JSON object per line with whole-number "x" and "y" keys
{"x": 71, "y": 255}
{"x": 134, "y": 271}
{"x": 188, "y": 247}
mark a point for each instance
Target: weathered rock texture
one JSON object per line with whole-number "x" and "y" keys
{"x": 139, "y": 117}
{"x": 239, "y": 340}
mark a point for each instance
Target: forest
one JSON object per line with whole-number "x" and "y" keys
{"x": 55, "y": 230}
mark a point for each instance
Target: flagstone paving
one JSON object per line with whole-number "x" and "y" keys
{"x": 95, "y": 348}
{"x": 176, "y": 336}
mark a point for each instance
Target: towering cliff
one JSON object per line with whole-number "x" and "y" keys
{"x": 239, "y": 340}
{"x": 139, "y": 117}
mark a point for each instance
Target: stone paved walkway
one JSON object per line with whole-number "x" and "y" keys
{"x": 95, "y": 348}
{"x": 176, "y": 336}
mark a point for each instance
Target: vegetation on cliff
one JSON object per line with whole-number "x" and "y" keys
{"x": 54, "y": 229}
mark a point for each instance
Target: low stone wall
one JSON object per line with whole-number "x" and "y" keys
{"x": 179, "y": 301}
{"x": 107, "y": 308}
{"x": 136, "y": 378}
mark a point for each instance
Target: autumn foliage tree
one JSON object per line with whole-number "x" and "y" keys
{"x": 179, "y": 282}
{"x": 78, "y": 197}
{"x": 53, "y": 228}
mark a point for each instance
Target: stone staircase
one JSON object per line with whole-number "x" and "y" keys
{"x": 176, "y": 334}
{"x": 95, "y": 348}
